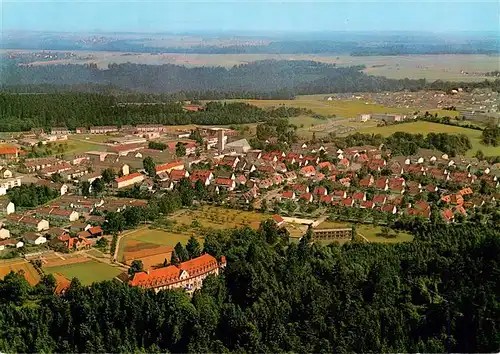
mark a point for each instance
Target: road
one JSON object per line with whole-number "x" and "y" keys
{"x": 268, "y": 196}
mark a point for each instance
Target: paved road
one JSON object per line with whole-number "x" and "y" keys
{"x": 268, "y": 196}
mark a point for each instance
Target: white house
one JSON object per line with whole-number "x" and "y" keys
{"x": 4, "y": 233}
{"x": 34, "y": 239}
{"x": 7, "y": 207}
{"x": 6, "y": 174}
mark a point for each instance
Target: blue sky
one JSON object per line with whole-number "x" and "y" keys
{"x": 254, "y": 15}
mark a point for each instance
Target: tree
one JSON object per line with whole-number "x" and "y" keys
{"x": 479, "y": 155}
{"x": 193, "y": 247}
{"x": 180, "y": 149}
{"x": 98, "y": 186}
{"x": 102, "y": 243}
{"x": 263, "y": 205}
{"x": 200, "y": 190}
{"x": 174, "y": 258}
{"x": 57, "y": 178}
{"x": 115, "y": 222}
{"x": 108, "y": 175}
{"x": 135, "y": 267}
{"x": 85, "y": 188}
{"x": 149, "y": 166}
{"x": 181, "y": 252}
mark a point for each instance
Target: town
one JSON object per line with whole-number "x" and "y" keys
{"x": 61, "y": 212}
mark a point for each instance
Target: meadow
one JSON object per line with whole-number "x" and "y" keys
{"x": 87, "y": 272}
{"x": 424, "y": 128}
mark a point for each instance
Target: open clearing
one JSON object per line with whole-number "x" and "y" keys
{"x": 421, "y": 127}
{"x": 373, "y": 234}
{"x": 430, "y": 67}
{"x": 88, "y": 272}
{"x": 15, "y": 265}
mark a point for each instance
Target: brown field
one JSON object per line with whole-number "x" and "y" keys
{"x": 149, "y": 253}
{"x": 16, "y": 265}
{"x": 57, "y": 262}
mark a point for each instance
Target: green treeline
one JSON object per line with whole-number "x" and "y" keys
{"x": 72, "y": 110}
{"x": 438, "y": 293}
{"x": 260, "y": 79}
{"x": 31, "y": 195}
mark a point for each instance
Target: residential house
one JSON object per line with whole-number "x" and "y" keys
{"x": 226, "y": 183}
{"x": 347, "y": 202}
{"x": 359, "y": 197}
{"x": 177, "y": 175}
{"x": 128, "y": 180}
{"x": 367, "y": 204}
{"x": 379, "y": 199}
{"x": 339, "y": 194}
{"x": 448, "y": 215}
{"x": 319, "y": 191}
{"x": 34, "y": 239}
{"x": 4, "y": 233}
{"x": 307, "y": 171}
{"x": 327, "y": 199}
{"x": 6, "y": 206}
{"x": 10, "y": 243}
{"x": 389, "y": 208}
{"x": 103, "y": 129}
{"x": 301, "y": 188}
{"x": 288, "y": 195}
{"x": 307, "y": 197}
{"x": 169, "y": 167}
{"x": 278, "y": 220}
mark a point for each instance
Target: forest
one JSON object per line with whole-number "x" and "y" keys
{"x": 265, "y": 79}
{"x": 71, "y": 110}
{"x": 438, "y": 293}
{"x": 31, "y": 195}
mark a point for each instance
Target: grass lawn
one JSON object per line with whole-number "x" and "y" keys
{"x": 87, "y": 272}
{"x": 371, "y": 232}
{"x": 158, "y": 236}
{"x": 96, "y": 253}
{"x": 79, "y": 146}
{"x": 428, "y": 127}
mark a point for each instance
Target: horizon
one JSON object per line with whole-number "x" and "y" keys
{"x": 258, "y": 17}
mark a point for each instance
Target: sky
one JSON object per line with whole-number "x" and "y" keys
{"x": 254, "y": 15}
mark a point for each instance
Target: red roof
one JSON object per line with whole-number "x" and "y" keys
{"x": 358, "y": 196}
{"x": 379, "y": 198}
{"x": 278, "y": 219}
{"x": 224, "y": 181}
{"x": 307, "y": 196}
{"x": 347, "y": 201}
{"x": 177, "y": 174}
{"x": 167, "y": 166}
{"x": 388, "y": 208}
{"x": 127, "y": 177}
{"x": 300, "y": 187}
{"x": 367, "y": 204}
{"x": 8, "y": 150}
{"x": 326, "y": 199}
{"x": 320, "y": 190}
{"x": 95, "y": 230}
{"x": 448, "y": 214}
{"x": 288, "y": 194}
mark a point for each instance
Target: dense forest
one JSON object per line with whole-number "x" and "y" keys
{"x": 438, "y": 293}
{"x": 23, "y": 112}
{"x": 266, "y": 79}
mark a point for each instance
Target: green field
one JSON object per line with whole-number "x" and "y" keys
{"x": 87, "y": 272}
{"x": 372, "y": 234}
{"x": 340, "y": 108}
{"x": 78, "y": 145}
{"x": 158, "y": 236}
{"x": 421, "y": 127}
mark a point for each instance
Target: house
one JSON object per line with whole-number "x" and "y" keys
{"x": 327, "y": 199}
{"x": 103, "y": 129}
{"x": 379, "y": 199}
{"x": 177, "y": 175}
{"x": 266, "y": 183}
{"x": 277, "y": 179}
{"x": 465, "y": 191}
{"x": 448, "y": 215}
{"x": 9, "y": 152}
{"x": 168, "y": 167}
{"x": 367, "y": 204}
{"x": 301, "y": 188}
{"x": 95, "y": 231}
{"x": 347, "y": 202}
{"x": 288, "y": 195}
{"x": 366, "y": 182}
{"x": 339, "y": 194}
{"x": 4, "y": 233}
{"x": 188, "y": 275}
{"x": 59, "y": 131}
{"x": 307, "y": 171}
{"x": 382, "y": 184}
{"x": 128, "y": 180}
{"x": 34, "y": 223}
{"x": 389, "y": 208}
{"x": 226, "y": 183}
{"x": 6, "y": 206}
{"x": 63, "y": 214}
{"x": 201, "y": 175}
{"x": 62, "y": 188}
{"x": 34, "y": 239}
{"x": 278, "y": 220}
{"x": 359, "y": 196}
{"x": 55, "y": 232}
{"x": 431, "y": 188}
{"x": 307, "y": 197}
{"x": 319, "y": 191}
{"x": 8, "y": 184}
{"x": 10, "y": 243}
{"x": 290, "y": 176}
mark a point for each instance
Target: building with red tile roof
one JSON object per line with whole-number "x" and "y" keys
{"x": 188, "y": 275}
{"x": 168, "y": 167}
{"x": 347, "y": 202}
{"x": 308, "y": 197}
{"x": 128, "y": 180}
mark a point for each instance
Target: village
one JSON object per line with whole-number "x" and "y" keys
{"x": 338, "y": 193}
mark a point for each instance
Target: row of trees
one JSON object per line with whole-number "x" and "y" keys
{"x": 435, "y": 294}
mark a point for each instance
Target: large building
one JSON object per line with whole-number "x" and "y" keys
{"x": 188, "y": 275}
{"x": 128, "y": 180}
{"x": 332, "y": 234}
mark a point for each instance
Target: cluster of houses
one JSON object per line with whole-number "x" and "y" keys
{"x": 65, "y": 224}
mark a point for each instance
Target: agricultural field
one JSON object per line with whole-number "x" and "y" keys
{"x": 339, "y": 108}
{"x": 77, "y": 144}
{"x": 421, "y": 127}
{"x": 87, "y": 272}
{"x": 452, "y": 67}
{"x": 15, "y": 265}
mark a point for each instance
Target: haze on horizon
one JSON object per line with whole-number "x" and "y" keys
{"x": 254, "y": 16}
